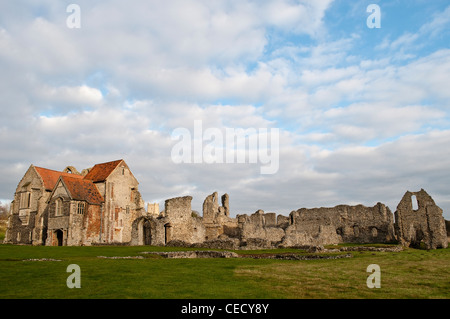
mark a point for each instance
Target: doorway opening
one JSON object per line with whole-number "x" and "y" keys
{"x": 59, "y": 237}
{"x": 147, "y": 233}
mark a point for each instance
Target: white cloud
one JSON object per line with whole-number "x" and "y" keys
{"x": 77, "y": 95}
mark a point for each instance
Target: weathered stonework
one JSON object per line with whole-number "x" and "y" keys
{"x": 175, "y": 223}
{"x": 97, "y": 206}
{"x": 216, "y": 218}
{"x": 102, "y": 205}
{"x": 424, "y": 224}
{"x": 304, "y": 227}
{"x": 343, "y": 223}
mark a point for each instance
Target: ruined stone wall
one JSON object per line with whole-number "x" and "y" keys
{"x": 217, "y": 219}
{"x": 317, "y": 226}
{"x": 343, "y": 223}
{"x": 179, "y": 223}
{"x": 447, "y": 226}
{"x": 424, "y": 224}
{"x": 210, "y": 208}
{"x": 146, "y": 231}
{"x": 260, "y": 230}
{"x": 176, "y": 224}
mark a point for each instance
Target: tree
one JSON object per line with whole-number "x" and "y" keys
{"x": 4, "y": 209}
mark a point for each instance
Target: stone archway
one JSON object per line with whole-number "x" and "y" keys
{"x": 147, "y": 233}
{"x": 143, "y": 231}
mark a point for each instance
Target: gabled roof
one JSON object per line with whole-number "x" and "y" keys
{"x": 100, "y": 172}
{"x": 81, "y": 189}
{"x": 50, "y": 177}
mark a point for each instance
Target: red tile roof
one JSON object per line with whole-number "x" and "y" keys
{"x": 100, "y": 172}
{"x": 81, "y": 189}
{"x": 50, "y": 177}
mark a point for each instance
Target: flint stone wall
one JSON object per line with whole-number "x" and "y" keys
{"x": 318, "y": 226}
{"x": 343, "y": 223}
{"x": 424, "y": 224}
{"x": 305, "y": 227}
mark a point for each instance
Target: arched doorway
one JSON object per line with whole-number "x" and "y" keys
{"x": 44, "y": 235}
{"x": 144, "y": 232}
{"x": 167, "y": 233}
{"x": 147, "y": 233}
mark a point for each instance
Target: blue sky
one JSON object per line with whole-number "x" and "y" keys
{"x": 363, "y": 113}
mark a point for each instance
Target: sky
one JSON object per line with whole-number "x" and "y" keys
{"x": 362, "y": 111}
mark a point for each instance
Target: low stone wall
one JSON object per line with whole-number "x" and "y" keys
{"x": 195, "y": 254}
{"x": 296, "y": 256}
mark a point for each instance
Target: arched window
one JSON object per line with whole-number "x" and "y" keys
{"x": 58, "y": 207}
{"x": 81, "y": 207}
{"x": 25, "y": 199}
{"x": 414, "y": 202}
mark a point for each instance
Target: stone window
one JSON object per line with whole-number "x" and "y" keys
{"x": 25, "y": 200}
{"x": 58, "y": 207}
{"x": 25, "y": 204}
{"x": 415, "y": 203}
{"x": 81, "y": 206}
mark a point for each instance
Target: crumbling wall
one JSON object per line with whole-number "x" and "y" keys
{"x": 179, "y": 222}
{"x": 148, "y": 230}
{"x": 260, "y": 230}
{"x": 216, "y": 219}
{"x": 342, "y": 223}
{"x": 447, "y": 226}
{"x": 210, "y": 208}
{"x": 424, "y": 224}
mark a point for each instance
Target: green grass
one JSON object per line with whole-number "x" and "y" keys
{"x": 2, "y": 231}
{"x": 408, "y": 274}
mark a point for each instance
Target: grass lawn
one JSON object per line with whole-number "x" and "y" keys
{"x": 408, "y": 274}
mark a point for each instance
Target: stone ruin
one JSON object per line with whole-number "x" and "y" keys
{"x": 102, "y": 206}
{"x": 177, "y": 225}
{"x": 423, "y": 224}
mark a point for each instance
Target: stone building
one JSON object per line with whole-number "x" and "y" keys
{"x": 67, "y": 208}
{"x": 26, "y": 219}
